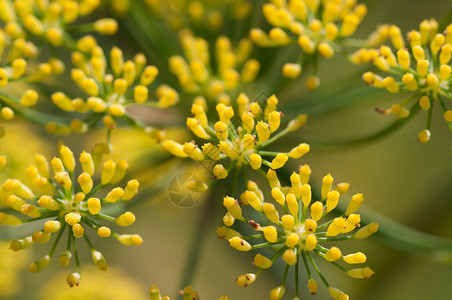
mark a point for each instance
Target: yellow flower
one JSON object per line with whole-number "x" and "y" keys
{"x": 49, "y": 20}
{"x": 113, "y": 285}
{"x": 187, "y": 294}
{"x": 67, "y": 205}
{"x": 206, "y": 14}
{"x": 318, "y": 27}
{"x": 420, "y": 67}
{"x": 110, "y": 91}
{"x": 297, "y": 227}
{"x": 239, "y": 136}
{"x": 196, "y": 75}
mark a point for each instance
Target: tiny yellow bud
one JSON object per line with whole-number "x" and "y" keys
{"x": 228, "y": 219}
{"x": 354, "y": 204}
{"x": 337, "y": 294}
{"x": 288, "y": 222}
{"x": 333, "y": 254}
{"x": 52, "y": 226}
{"x": 336, "y": 226}
{"x": 7, "y": 113}
{"x": 87, "y": 163}
{"x": 64, "y": 179}
{"x": 65, "y": 258}
{"x": 299, "y": 151}
{"x": 73, "y": 279}
{"x": 279, "y": 161}
{"x": 106, "y": 26}
{"x": 114, "y": 195}
{"x": 104, "y": 231}
{"x": 78, "y": 230}
{"x": 245, "y": 280}
{"x": 292, "y": 203}
{"x": 292, "y": 240}
{"x": 126, "y": 219}
{"x": 312, "y": 83}
{"x": 39, "y": 265}
{"x": 270, "y": 234}
{"x": 355, "y": 258}
{"x": 312, "y": 286}
{"x": 131, "y": 189}
{"x": 108, "y": 171}
{"x": 332, "y": 200}
{"x": 366, "y": 231}
{"x": 130, "y": 239}
{"x": 290, "y": 257}
{"x": 291, "y": 71}
{"x": 94, "y": 206}
{"x": 72, "y": 218}
{"x": 262, "y": 261}
{"x": 86, "y": 183}
{"x": 239, "y": 244}
{"x": 448, "y": 115}
{"x": 424, "y": 136}
{"x": 277, "y": 293}
{"x": 361, "y": 273}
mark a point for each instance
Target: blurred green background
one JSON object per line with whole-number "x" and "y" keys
{"x": 401, "y": 179}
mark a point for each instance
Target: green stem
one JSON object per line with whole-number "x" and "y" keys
{"x": 286, "y": 270}
{"x": 197, "y": 240}
{"x": 325, "y": 282}
{"x": 297, "y": 281}
{"x": 57, "y": 240}
{"x": 74, "y": 246}
{"x": 90, "y": 245}
{"x": 366, "y": 139}
{"x": 108, "y": 218}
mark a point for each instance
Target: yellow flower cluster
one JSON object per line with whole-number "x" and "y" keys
{"x": 238, "y": 139}
{"x": 423, "y": 69}
{"x": 205, "y": 13}
{"x": 49, "y": 20}
{"x": 14, "y": 56}
{"x": 196, "y": 75}
{"x": 111, "y": 86}
{"x": 187, "y": 294}
{"x": 319, "y": 27}
{"x": 66, "y": 205}
{"x": 111, "y": 285}
{"x": 10, "y": 266}
{"x": 296, "y": 226}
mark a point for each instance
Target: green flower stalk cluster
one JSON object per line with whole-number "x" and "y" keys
{"x": 66, "y": 205}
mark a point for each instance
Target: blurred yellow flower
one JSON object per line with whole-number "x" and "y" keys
{"x": 112, "y": 285}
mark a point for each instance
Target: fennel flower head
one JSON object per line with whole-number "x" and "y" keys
{"x": 419, "y": 68}
{"x": 111, "y": 285}
{"x": 187, "y": 294}
{"x": 66, "y": 205}
{"x": 319, "y": 27}
{"x": 210, "y": 14}
{"x": 197, "y": 76}
{"x": 295, "y": 225}
{"x": 49, "y": 21}
{"x": 111, "y": 85}
{"x": 238, "y": 138}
